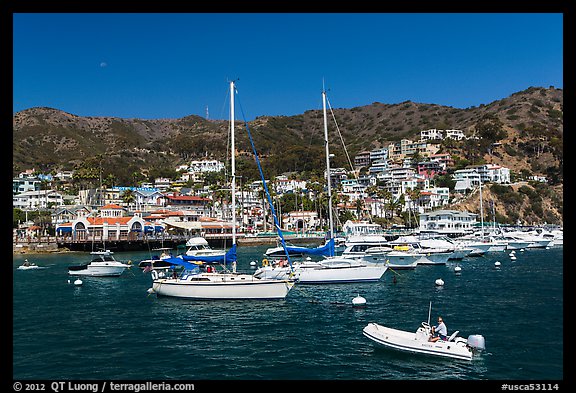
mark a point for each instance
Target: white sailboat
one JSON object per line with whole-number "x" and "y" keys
{"x": 200, "y": 280}
{"x": 332, "y": 269}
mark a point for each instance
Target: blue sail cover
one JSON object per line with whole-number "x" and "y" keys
{"x": 180, "y": 262}
{"x": 325, "y": 250}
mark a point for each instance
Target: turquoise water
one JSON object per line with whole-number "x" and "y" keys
{"x": 112, "y": 329}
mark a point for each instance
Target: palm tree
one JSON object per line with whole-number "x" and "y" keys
{"x": 414, "y": 195}
{"x": 359, "y": 207}
{"x": 128, "y": 197}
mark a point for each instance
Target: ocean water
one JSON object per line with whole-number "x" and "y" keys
{"x": 112, "y": 329}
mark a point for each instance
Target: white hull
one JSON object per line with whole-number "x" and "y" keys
{"x": 517, "y": 245}
{"x": 434, "y": 258}
{"x": 497, "y": 246}
{"x": 331, "y": 270}
{"x": 400, "y": 259}
{"x": 207, "y": 286}
{"x": 341, "y": 275}
{"x": 273, "y": 273}
{"x": 28, "y": 267}
{"x": 540, "y": 243}
{"x": 418, "y": 342}
{"x": 460, "y": 253}
{"x": 478, "y": 248}
{"x": 98, "y": 270}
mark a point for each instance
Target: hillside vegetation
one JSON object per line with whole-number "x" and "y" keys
{"x": 49, "y": 139}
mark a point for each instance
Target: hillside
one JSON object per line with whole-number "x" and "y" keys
{"x": 50, "y": 139}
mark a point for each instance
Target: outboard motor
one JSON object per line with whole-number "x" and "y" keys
{"x": 476, "y": 342}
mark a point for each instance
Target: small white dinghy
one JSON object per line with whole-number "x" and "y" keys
{"x": 28, "y": 265}
{"x": 454, "y": 347}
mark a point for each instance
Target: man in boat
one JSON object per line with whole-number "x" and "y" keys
{"x": 439, "y": 332}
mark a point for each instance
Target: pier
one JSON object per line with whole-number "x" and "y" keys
{"x": 49, "y": 244}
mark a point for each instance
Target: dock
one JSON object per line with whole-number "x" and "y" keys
{"x": 50, "y": 244}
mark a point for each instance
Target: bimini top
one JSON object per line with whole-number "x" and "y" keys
{"x": 197, "y": 241}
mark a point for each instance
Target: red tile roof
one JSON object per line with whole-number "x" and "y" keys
{"x": 111, "y": 206}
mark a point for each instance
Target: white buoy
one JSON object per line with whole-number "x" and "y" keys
{"x": 497, "y": 264}
{"x": 358, "y": 301}
{"x": 512, "y": 253}
{"x": 513, "y": 257}
{"x": 252, "y": 263}
{"x": 68, "y": 281}
{"x": 457, "y": 269}
{"x": 439, "y": 282}
{"x": 78, "y": 282}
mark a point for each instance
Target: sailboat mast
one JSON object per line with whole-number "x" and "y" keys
{"x": 481, "y": 211}
{"x": 328, "y": 177}
{"x": 233, "y": 162}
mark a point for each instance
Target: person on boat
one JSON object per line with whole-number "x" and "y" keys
{"x": 439, "y": 332}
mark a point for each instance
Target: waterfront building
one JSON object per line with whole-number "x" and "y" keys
{"x": 300, "y": 221}
{"x": 452, "y": 222}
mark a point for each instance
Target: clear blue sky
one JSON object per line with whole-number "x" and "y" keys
{"x": 159, "y": 65}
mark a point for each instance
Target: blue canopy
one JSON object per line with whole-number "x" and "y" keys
{"x": 325, "y": 250}
{"x": 229, "y": 257}
{"x": 179, "y": 261}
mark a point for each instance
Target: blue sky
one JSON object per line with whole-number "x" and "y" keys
{"x": 159, "y": 65}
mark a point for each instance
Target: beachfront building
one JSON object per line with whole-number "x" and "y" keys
{"x": 300, "y": 221}
{"x": 449, "y": 222}
{"x": 102, "y": 228}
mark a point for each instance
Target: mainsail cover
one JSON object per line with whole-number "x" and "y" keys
{"x": 325, "y": 250}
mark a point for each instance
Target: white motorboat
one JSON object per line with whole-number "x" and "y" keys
{"x": 339, "y": 270}
{"x": 198, "y": 246}
{"x": 398, "y": 259}
{"x": 535, "y": 238}
{"x": 329, "y": 270}
{"x": 157, "y": 262}
{"x": 103, "y": 264}
{"x": 418, "y": 342}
